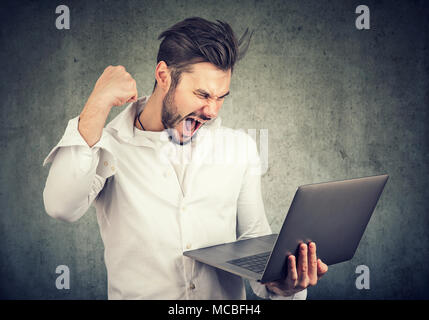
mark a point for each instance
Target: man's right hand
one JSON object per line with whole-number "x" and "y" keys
{"x": 115, "y": 87}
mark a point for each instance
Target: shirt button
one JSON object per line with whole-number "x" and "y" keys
{"x": 192, "y": 286}
{"x": 113, "y": 168}
{"x": 188, "y": 246}
{"x": 106, "y": 163}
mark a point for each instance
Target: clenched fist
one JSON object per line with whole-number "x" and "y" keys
{"x": 115, "y": 87}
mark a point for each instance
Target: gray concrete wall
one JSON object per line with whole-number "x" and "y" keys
{"x": 337, "y": 102}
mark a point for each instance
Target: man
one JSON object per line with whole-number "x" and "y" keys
{"x": 151, "y": 207}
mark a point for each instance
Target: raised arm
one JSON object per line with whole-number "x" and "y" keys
{"x": 75, "y": 177}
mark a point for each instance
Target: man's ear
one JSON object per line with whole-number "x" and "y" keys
{"x": 163, "y": 76}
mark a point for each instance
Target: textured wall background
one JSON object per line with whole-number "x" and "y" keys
{"x": 338, "y": 103}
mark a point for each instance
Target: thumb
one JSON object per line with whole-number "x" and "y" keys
{"x": 322, "y": 268}
{"x": 132, "y": 99}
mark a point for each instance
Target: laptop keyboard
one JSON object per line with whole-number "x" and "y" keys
{"x": 255, "y": 263}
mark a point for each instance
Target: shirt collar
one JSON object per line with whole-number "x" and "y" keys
{"x": 123, "y": 126}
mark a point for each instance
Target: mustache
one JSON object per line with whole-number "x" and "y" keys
{"x": 193, "y": 114}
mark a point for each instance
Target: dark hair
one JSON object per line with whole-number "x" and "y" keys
{"x": 195, "y": 40}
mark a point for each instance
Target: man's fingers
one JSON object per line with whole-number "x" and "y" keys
{"x": 291, "y": 280}
{"x": 292, "y": 275}
{"x": 134, "y": 96}
{"x": 312, "y": 264}
{"x": 303, "y": 266}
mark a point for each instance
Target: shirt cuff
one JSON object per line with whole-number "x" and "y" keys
{"x": 261, "y": 291}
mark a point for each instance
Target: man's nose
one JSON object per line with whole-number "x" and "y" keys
{"x": 212, "y": 109}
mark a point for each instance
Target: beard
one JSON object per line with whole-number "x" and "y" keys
{"x": 171, "y": 118}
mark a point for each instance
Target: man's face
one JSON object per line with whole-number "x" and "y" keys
{"x": 197, "y": 99}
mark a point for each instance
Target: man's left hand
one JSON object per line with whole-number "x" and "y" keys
{"x": 307, "y": 273}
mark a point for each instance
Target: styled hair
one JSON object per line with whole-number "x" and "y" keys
{"x": 195, "y": 40}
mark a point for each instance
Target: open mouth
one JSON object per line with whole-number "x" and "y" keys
{"x": 190, "y": 126}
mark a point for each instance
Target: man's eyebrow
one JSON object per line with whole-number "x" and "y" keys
{"x": 204, "y": 92}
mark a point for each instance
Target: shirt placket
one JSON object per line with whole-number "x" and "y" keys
{"x": 185, "y": 220}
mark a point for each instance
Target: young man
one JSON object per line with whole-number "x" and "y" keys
{"x": 153, "y": 200}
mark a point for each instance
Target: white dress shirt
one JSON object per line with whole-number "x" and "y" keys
{"x": 155, "y": 199}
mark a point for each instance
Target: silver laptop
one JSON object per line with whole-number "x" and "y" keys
{"x": 333, "y": 214}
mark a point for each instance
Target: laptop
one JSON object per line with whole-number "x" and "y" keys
{"x": 334, "y": 215}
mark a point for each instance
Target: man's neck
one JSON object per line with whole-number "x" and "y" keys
{"x": 150, "y": 117}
